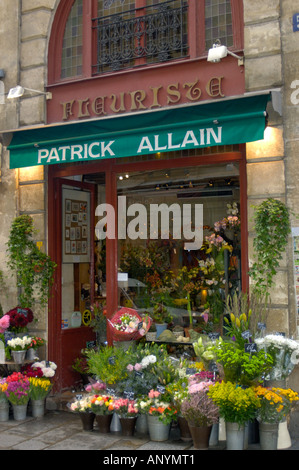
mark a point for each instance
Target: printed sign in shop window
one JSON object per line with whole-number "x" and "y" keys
{"x": 76, "y": 226}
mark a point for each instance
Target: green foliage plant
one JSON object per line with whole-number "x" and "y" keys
{"x": 272, "y": 227}
{"x": 34, "y": 269}
{"x": 108, "y": 364}
{"x": 240, "y": 366}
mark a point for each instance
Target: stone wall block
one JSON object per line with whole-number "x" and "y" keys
{"x": 262, "y": 39}
{"x": 266, "y": 179}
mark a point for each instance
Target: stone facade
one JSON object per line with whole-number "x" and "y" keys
{"x": 271, "y": 61}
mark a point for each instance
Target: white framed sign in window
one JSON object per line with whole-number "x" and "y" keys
{"x": 75, "y": 226}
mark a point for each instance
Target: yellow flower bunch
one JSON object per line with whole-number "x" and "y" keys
{"x": 275, "y": 403}
{"x": 102, "y": 404}
{"x": 3, "y": 387}
{"x": 39, "y": 387}
{"x": 235, "y": 403}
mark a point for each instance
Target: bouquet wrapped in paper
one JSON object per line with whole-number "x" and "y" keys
{"x": 127, "y": 325}
{"x": 284, "y": 351}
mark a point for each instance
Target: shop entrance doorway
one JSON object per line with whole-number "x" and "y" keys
{"x": 131, "y": 271}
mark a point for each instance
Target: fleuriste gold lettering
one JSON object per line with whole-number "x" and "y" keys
{"x": 154, "y": 97}
{"x": 173, "y": 90}
{"x": 121, "y": 105}
{"x": 83, "y": 108}
{"x": 137, "y": 98}
{"x": 193, "y": 93}
{"x": 98, "y": 105}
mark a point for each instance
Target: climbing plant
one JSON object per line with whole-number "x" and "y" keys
{"x": 272, "y": 227}
{"x": 33, "y": 268}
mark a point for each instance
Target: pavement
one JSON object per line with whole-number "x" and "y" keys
{"x": 62, "y": 430}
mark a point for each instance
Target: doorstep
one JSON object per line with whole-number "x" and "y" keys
{"x": 60, "y": 401}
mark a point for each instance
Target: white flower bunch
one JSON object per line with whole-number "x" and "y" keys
{"x": 81, "y": 405}
{"x": 48, "y": 368}
{"x": 277, "y": 341}
{"x": 19, "y": 344}
{"x": 147, "y": 360}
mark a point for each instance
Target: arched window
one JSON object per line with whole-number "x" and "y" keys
{"x": 93, "y": 37}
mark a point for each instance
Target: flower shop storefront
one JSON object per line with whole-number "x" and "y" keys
{"x": 109, "y": 181}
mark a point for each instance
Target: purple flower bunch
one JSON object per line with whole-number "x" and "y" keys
{"x": 17, "y": 390}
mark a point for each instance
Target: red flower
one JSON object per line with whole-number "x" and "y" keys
{"x": 20, "y": 317}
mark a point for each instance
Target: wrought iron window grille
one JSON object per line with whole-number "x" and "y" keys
{"x": 152, "y": 34}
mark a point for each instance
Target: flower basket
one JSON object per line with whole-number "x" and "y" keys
{"x": 128, "y": 325}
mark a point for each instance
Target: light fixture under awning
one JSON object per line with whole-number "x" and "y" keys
{"x": 226, "y": 122}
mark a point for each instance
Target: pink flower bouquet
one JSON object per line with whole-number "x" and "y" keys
{"x": 125, "y": 408}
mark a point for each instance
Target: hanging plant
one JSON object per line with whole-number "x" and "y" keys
{"x": 272, "y": 226}
{"x": 34, "y": 269}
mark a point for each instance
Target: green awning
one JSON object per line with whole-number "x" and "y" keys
{"x": 224, "y": 122}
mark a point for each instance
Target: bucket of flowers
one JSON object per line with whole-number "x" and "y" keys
{"x": 160, "y": 412}
{"x": 39, "y": 389}
{"x": 237, "y": 406}
{"x": 274, "y": 405}
{"x": 127, "y": 411}
{"x": 36, "y": 342}
{"x": 102, "y": 406}
{"x": 4, "y": 406}
{"x": 48, "y": 368}
{"x": 82, "y": 406}
{"x": 201, "y": 413}
{"x": 128, "y": 325}
{"x": 17, "y": 393}
{"x": 19, "y": 347}
{"x": 19, "y": 317}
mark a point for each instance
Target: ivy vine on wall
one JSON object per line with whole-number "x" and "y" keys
{"x": 272, "y": 227}
{"x": 33, "y": 268}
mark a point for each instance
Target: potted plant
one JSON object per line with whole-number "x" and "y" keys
{"x": 33, "y": 268}
{"x": 201, "y": 413}
{"x": 237, "y": 406}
